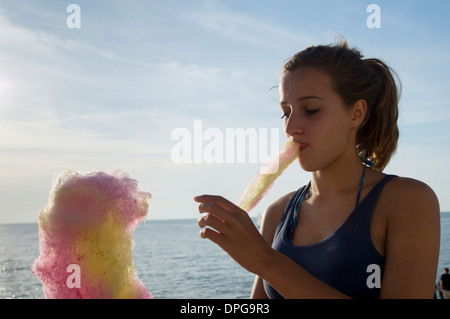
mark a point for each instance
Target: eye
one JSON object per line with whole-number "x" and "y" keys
{"x": 312, "y": 112}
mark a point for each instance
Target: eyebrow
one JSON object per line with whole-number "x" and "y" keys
{"x": 302, "y": 98}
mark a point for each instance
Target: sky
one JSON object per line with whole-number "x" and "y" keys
{"x": 111, "y": 93}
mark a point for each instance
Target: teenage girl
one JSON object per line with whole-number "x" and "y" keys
{"x": 352, "y": 231}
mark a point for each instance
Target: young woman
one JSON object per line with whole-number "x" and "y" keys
{"x": 353, "y": 231}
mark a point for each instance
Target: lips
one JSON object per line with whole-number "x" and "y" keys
{"x": 303, "y": 145}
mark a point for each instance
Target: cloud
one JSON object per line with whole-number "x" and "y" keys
{"x": 69, "y": 103}
{"x": 65, "y": 103}
{"x": 39, "y": 68}
{"x": 218, "y": 19}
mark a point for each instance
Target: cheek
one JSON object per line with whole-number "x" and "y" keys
{"x": 327, "y": 139}
{"x": 334, "y": 138}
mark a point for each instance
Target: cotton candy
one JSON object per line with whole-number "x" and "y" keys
{"x": 262, "y": 181}
{"x": 87, "y": 227}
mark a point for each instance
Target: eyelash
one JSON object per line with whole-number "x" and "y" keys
{"x": 312, "y": 112}
{"x": 308, "y": 113}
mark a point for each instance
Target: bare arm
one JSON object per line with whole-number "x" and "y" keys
{"x": 412, "y": 240}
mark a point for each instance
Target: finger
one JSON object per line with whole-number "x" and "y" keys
{"x": 208, "y": 233}
{"x": 221, "y": 201}
{"x": 215, "y": 209}
{"x": 216, "y": 237}
{"x": 214, "y": 222}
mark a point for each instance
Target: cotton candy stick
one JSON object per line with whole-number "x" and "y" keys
{"x": 86, "y": 237}
{"x": 262, "y": 181}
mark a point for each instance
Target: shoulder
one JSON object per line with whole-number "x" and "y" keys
{"x": 405, "y": 193}
{"x": 409, "y": 202}
{"x": 272, "y": 216}
{"x": 407, "y": 184}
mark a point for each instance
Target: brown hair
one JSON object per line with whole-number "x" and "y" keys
{"x": 355, "y": 78}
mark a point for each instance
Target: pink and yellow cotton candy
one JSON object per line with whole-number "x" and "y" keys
{"x": 89, "y": 222}
{"x": 262, "y": 181}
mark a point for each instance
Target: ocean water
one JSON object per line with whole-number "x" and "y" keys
{"x": 170, "y": 258}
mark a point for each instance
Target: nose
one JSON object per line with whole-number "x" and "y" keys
{"x": 293, "y": 125}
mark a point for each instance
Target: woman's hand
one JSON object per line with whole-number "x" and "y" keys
{"x": 234, "y": 231}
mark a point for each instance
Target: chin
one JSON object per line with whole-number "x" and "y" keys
{"x": 308, "y": 166}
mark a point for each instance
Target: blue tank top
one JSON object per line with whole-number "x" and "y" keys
{"x": 341, "y": 260}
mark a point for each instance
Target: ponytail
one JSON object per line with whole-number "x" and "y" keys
{"x": 378, "y": 135}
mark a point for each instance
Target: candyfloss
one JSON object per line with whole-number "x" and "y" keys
{"x": 89, "y": 222}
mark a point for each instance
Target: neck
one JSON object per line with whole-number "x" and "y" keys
{"x": 343, "y": 175}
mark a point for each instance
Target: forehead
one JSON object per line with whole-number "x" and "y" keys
{"x": 304, "y": 81}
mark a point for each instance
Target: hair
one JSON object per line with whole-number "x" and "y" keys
{"x": 355, "y": 78}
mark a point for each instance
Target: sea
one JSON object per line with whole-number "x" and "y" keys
{"x": 170, "y": 258}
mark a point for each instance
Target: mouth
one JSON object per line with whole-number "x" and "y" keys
{"x": 303, "y": 146}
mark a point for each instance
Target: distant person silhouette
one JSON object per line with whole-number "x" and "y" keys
{"x": 444, "y": 284}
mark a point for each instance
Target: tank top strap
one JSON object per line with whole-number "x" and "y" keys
{"x": 362, "y": 215}
{"x": 287, "y": 211}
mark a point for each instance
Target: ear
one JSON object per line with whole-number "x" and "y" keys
{"x": 359, "y": 112}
